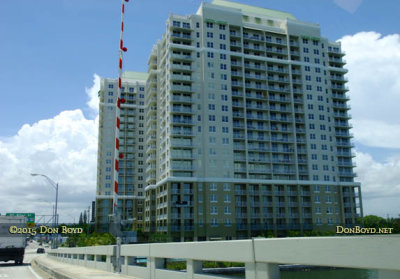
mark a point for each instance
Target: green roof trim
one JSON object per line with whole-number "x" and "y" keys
{"x": 253, "y": 10}
{"x": 134, "y": 75}
{"x": 311, "y": 38}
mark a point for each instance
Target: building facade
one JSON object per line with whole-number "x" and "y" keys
{"x": 131, "y": 181}
{"x": 246, "y": 129}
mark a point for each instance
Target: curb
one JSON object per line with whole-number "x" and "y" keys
{"x": 55, "y": 273}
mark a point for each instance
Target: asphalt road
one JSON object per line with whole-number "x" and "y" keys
{"x": 25, "y": 271}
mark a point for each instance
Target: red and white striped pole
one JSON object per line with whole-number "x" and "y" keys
{"x": 118, "y": 155}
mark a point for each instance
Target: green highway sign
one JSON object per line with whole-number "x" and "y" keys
{"x": 30, "y": 217}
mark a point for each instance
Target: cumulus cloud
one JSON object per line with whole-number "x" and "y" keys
{"x": 373, "y": 61}
{"x": 93, "y": 96}
{"x": 64, "y": 148}
{"x": 380, "y": 184}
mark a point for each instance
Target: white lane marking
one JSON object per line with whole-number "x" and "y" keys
{"x": 34, "y": 273}
{"x": 3, "y": 275}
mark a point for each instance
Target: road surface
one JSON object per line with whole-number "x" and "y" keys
{"x": 11, "y": 271}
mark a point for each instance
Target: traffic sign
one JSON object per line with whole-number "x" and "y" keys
{"x": 30, "y": 217}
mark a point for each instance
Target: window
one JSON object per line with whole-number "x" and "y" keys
{"x": 110, "y": 93}
{"x": 314, "y": 157}
{"x": 210, "y": 54}
{"x": 211, "y": 118}
{"x": 111, "y": 86}
{"x": 213, "y": 210}
{"x": 211, "y": 129}
{"x": 224, "y": 108}
{"x": 197, "y": 25}
{"x": 213, "y": 187}
{"x": 210, "y": 25}
{"x": 222, "y": 56}
{"x": 227, "y": 187}
{"x": 225, "y": 140}
{"x": 224, "y": 118}
{"x": 222, "y": 46}
{"x": 223, "y": 66}
{"x": 313, "y": 146}
{"x": 211, "y": 106}
{"x": 222, "y": 27}
{"x": 227, "y": 210}
{"x": 225, "y": 130}
{"x": 222, "y": 36}
{"x": 213, "y": 198}
{"x": 227, "y": 198}
{"x": 210, "y": 35}
{"x": 210, "y": 44}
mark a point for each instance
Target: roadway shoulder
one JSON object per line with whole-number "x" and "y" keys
{"x": 68, "y": 271}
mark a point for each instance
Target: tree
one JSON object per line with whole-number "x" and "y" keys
{"x": 85, "y": 217}
{"x": 373, "y": 221}
{"x": 80, "y": 219}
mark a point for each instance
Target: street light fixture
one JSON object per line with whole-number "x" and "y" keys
{"x": 55, "y": 186}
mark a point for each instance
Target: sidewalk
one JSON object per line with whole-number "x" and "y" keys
{"x": 62, "y": 270}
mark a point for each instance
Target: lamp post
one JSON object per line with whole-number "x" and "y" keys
{"x": 55, "y": 186}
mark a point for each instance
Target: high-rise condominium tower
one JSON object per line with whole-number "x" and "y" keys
{"x": 131, "y": 180}
{"x": 246, "y": 127}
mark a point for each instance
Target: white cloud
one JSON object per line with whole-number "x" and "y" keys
{"x": 350, "y": 6}
{"x": 373, "y": 62}
{"x": 374, "y": 81}
{"x": 92, "y": 93}
{"x": 63, "y": 148}
{"x": 380, "y": 184}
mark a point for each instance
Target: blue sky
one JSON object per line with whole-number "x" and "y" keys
{"x": 50, "y": 51}
{"x": 50, "y": 48}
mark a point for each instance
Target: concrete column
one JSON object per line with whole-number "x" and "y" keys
{"x": 153, "y": 264}
{"x": 109, "y": 263}
{"x": 262, "y": 271}
{"x": 388, "y": 274}
{"x": 193, "y": 267}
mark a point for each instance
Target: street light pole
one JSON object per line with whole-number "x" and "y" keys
{"x": 55, "y": 186}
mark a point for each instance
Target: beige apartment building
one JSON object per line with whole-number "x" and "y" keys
{"x": 131, "y": 179}
{"x": 245, "y": 127}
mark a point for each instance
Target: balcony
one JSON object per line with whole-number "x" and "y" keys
{"x": 181, "y": 133}
{"x": 181, "y": 99}
{"x": 183, "y": 121}
{"x": 181, "y": 88}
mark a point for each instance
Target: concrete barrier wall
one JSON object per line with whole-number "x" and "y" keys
{"x": 261, "y": 256}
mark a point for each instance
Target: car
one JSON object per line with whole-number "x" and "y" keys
{"x": 40, "y": 251}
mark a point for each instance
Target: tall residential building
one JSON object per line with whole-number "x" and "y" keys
{"x": 132, "y": 146}
{"x": 239, "y": 128}
{"x": 246, "y": 127}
